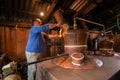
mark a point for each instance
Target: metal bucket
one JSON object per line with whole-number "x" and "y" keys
{"x": 75, "y": 41}
{"x": 13, "y": 77}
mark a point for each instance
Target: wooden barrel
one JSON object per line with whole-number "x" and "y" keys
{"x": 75, "y": 41}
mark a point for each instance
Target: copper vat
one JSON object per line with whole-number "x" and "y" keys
{"x": 106, "y": 45}
{"x": 106, "y": 48}
{"x": 75, "y": 41}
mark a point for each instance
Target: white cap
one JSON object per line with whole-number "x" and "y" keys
{"x": 37, "y": 19}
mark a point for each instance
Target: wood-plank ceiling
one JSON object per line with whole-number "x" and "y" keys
{"x": 26, "y": 10}
{"x": 102, "y": 11}
{"x": 23, "y": 10}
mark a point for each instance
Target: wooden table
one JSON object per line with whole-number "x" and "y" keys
{"x": 48, "y": 71}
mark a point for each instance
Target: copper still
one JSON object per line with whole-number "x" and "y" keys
{"x": 106, "y": 48}
{"x": 75, "y": 41}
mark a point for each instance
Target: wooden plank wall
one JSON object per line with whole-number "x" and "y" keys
{"x": 13, "y": 41}
{"x": 2, "y": 39}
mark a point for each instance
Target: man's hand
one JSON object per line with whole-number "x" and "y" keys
{"x": 55, "y": 25}
{"x": 59, "y": 24}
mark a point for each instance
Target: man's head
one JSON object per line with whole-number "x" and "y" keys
{"x": 37, "y": 21}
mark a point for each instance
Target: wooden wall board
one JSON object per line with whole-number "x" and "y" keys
{"x": 2, "y": 39}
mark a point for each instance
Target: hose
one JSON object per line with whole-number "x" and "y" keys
{"x": 117, "y": 22}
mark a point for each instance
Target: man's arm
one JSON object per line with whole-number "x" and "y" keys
{"x": 50, "y": 35}
{"x": 54, "y": 25}
{"x": 53, "y": 36}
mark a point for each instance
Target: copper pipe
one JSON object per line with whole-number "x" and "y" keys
{"x": 58, "y": 16}
{"x": 74, "y": 25}
{"x": 90, "y": 22}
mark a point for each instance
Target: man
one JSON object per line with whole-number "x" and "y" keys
{"x": 35, "y": 44}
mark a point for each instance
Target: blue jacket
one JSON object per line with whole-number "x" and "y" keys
{"x": 35, "y": 42}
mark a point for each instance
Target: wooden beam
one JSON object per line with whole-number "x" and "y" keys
{"x": 15, "y": 24}
{"x": 50, "y": 10}
{"x": 90, "y": 7}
